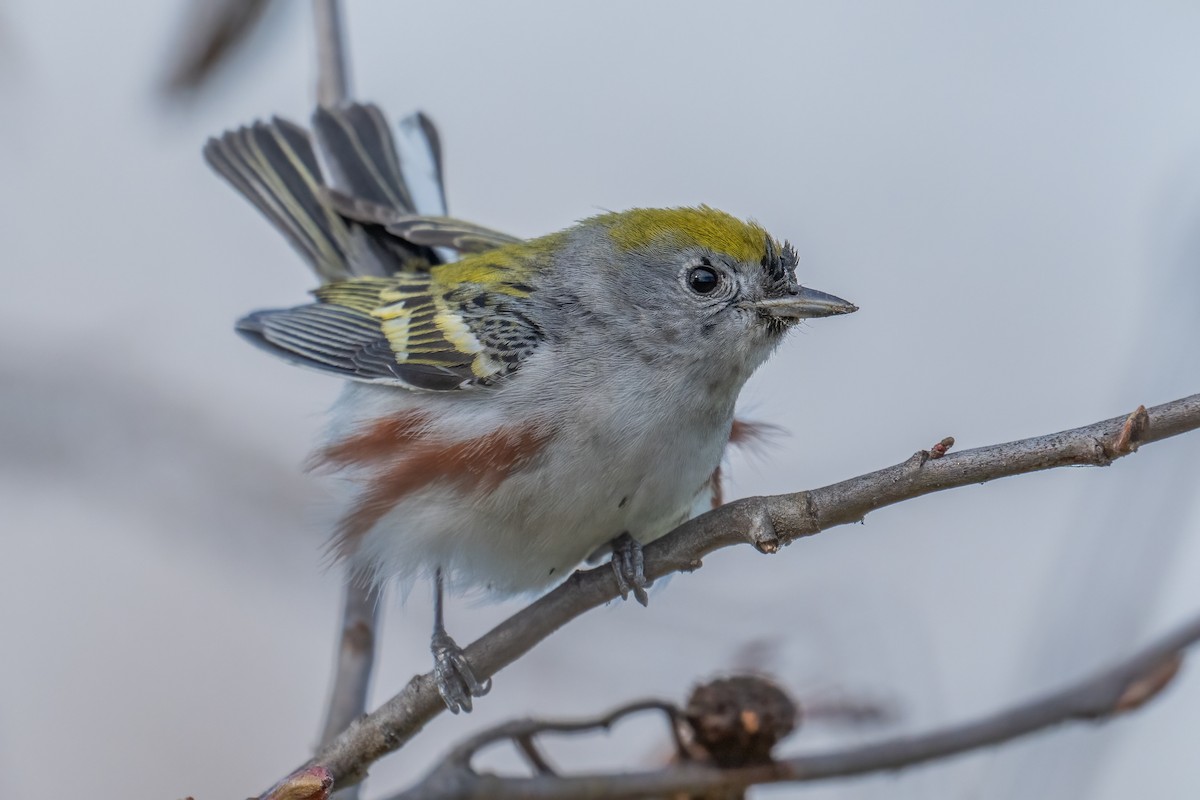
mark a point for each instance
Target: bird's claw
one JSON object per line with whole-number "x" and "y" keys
{"x": 456, "y": 681}
{"x": 629, "y": 566}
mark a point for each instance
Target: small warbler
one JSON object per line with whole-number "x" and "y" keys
{"x": 509, "y": 413}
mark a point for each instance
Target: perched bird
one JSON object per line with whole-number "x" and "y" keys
{"x": 511, "y": 413}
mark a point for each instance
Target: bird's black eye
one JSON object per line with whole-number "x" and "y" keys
{"x": 703, "y": 280}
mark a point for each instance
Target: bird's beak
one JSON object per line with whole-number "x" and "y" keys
{"x": 807, "y": 304}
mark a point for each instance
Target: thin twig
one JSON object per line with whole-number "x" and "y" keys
{"x": 461, "y": 756}
{"x": 767, "y": 523}
{"x": 1113, "y": 691}
{"x": 528, "y": 748}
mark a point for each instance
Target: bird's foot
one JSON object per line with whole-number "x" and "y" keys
{"x": 629, "y": 567}
{"x": 455, "y": 679}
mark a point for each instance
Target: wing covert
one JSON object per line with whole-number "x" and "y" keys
{"x": 408, "y": 330}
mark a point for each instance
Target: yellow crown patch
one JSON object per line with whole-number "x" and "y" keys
{"x": 700, "y": 226}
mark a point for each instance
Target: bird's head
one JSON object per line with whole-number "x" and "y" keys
{"x": 690, "y": 285}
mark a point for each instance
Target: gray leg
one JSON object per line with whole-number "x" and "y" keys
{"x": 629, "y": 567}
{"x": 456, "y": 681}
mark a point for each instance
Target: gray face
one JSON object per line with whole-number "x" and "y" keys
{"x": 689, "y": 310}
{"x": 708, "y": 300}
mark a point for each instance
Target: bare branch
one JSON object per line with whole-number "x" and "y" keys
{"x": 767, "y": 523}
{"x": 1113, "y": 691}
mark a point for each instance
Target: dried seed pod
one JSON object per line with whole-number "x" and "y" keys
{"x": 737, "y": 721}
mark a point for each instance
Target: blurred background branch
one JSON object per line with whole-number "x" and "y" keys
{"x": 361, "y": 599}
{"x": 214, "y": 31}
{"x": 333, "y": 78}
{"x": 747, "y": 725}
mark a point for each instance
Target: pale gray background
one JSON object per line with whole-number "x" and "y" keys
{"x": 1011, "y": 192}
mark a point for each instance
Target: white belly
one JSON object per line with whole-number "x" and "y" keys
{"x": 610, "y": 468}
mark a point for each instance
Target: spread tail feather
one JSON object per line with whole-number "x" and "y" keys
{"x": 357, "y": 146}
{"x": 275, "y": 166}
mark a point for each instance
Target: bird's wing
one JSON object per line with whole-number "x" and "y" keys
{"x": 417, "y": 330}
